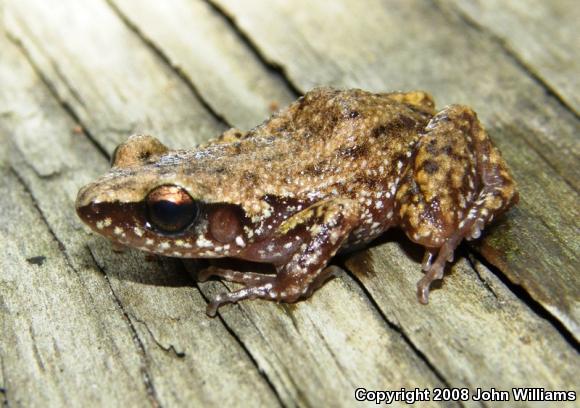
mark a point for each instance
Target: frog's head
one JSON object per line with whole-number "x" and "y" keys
{"x": 146, "y": 202}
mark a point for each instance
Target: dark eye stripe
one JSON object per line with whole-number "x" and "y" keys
{"x": 171, "y": 209}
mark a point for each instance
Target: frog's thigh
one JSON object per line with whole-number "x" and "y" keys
{"x": 455, "y": 185}
{"x": 324, "y": 227}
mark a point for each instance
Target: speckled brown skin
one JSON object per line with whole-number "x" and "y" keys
{"x": 334, "y": 169}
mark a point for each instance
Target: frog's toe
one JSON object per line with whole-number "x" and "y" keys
{"x": 214, "y": 305}
{"x": 424, "y": 285}
{"x": 255, "y": 292}
{"x": 434, "y": 266}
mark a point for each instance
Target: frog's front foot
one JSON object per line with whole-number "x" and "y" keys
{"x": 259, "y": 286}
{"x": 260, "y": 291}
{"x": 324, "y": 227}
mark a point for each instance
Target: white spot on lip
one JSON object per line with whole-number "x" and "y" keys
{"x": 149, "y": 241}
{"x": 203, "y": 242}
{"x": 118, "y": 231}
{"x": 240, "y": 241}
{"x": 138, "y": 231}
{"x": 164, "y": 245}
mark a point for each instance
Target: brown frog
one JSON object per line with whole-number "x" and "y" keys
{"x": 333, "y": 170}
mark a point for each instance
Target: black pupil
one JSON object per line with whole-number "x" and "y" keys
{"x": 171, "y": 217}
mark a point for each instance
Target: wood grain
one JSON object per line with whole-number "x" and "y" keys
{"x": 201, "y": 45}
{"x": 542, "y": 36}
{"x": 83, "y": 325}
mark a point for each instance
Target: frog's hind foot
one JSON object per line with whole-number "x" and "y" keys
{"x": 455, "y": 185}
{"x": 434, "y": 270}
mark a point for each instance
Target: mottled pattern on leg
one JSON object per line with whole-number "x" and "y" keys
{"x": 455, "y": 185}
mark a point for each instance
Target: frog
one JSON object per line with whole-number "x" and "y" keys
{"x": 330, "y": 172}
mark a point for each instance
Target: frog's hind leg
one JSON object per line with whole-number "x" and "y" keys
{"x": 323, "y": 228}
{"x": 455, "y": 185}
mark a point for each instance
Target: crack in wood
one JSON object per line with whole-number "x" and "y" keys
{"x": 524, "y": 67}
{"x": 35, "y": 350}
{"x": 3, "y": 387}
{"x": 245, "y": 349}
{"x": 398, "y": 329}
{"x": 147, "y": 378}
{"x": 273, "y": 66}
{"x": 171, "y": 349}
{"x": 526, "y": 298}
{"x": 510, "y": 53}
{"x": 54, "y": 93}
{"x": 544, "y": 157}
{"x": 470, "y": 259}
{"x": 163, "y": 57}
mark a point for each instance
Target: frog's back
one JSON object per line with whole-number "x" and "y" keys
{"x": 325, "y": 143}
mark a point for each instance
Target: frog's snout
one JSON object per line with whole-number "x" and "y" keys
{"x": 86, "y": 206}
{"x": 83, "y": 197}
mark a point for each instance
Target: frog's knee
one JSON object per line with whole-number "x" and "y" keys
{"x": 420, "y": 99}
{"x": 455, "y": 118}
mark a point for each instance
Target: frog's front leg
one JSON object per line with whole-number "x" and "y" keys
{"x": 456, "y": 183}
{"x": 321, "y": 228}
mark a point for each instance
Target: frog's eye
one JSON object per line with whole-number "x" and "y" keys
{"x": 170, "y": 208}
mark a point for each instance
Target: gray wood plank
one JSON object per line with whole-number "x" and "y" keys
{"x": 477, "y": 333}
{"x": 56, "y": 317}
{"x": 130, "y": 89}
{"x": 52, "y": 334}
{"x": 542, "y": 35}
{"x": 200, "y": 44}
{"x": 317, "y": 352}
{"x": 90, "y": 326}
{"x": 423, "y": 46}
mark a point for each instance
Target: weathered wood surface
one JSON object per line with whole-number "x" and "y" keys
{"x": 85, "y": 325}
